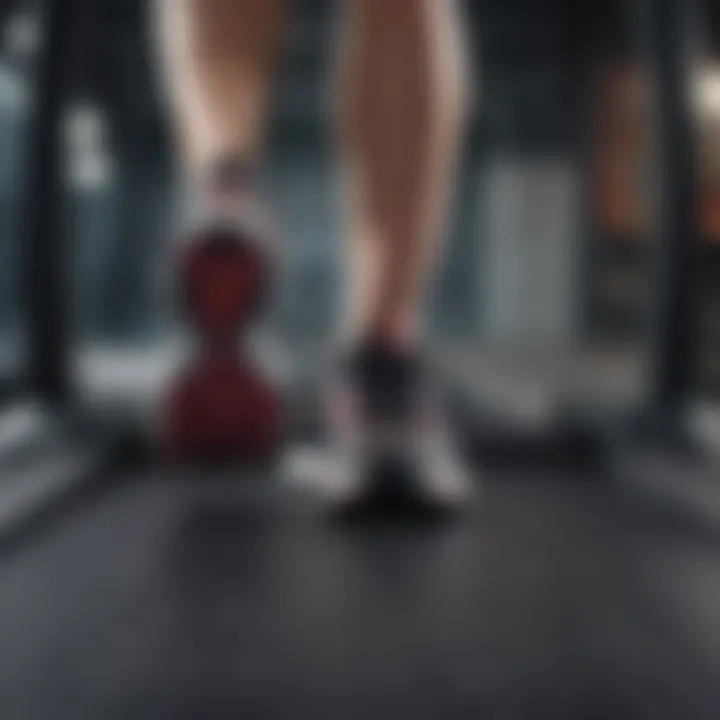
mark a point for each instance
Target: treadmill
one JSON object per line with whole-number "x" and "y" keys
{"x": 577, "y": 585}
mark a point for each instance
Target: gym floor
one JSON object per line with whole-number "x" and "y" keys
{"x": 556, "y": 597}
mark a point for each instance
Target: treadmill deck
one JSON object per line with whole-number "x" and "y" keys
{"x": 189, "y": 599}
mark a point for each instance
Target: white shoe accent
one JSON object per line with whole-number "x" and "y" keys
{"x": 445, "y": 480}
{"x": 333, "y": 479}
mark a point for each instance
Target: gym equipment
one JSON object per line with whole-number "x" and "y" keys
{"x": 221, "y": 407}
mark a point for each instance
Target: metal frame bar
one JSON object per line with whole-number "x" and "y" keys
{"x": 667, "y": 44}
{"x": 45, "y": 256}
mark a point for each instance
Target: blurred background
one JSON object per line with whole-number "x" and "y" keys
{"x": 551, "y": 249}
{"x": 580, "y": 291}
{"x": 546, "y": 287}
{"x": 552, "y": 243}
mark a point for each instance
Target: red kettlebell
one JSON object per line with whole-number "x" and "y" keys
{"x": 221, "y": 407}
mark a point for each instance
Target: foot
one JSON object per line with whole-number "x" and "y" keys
{"x": 387, "y": 434}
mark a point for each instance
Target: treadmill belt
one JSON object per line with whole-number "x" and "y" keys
{"x": 185, "y": 599}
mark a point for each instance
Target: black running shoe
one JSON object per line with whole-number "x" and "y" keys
{"x": 387, "y": 434}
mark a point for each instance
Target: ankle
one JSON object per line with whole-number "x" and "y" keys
{"x": 223, "y": 183}
{"x": 231, "y": 174}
